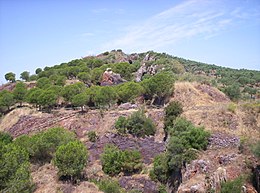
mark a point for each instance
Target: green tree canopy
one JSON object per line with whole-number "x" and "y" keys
{"x": 38, "y": 70}
{"x": 233, "y": 91}
{"x": 129, "y": 91}
{"x": 6, "y": 100}
{"x": 19, "y": 92}
{"x": 84, "y": 77}
{"x": 70, "y": 91}
{"x": 105, "y": 96}
{"x": 81, "y": 99}
{"x": 43, "y": 83}
{"x": 159, "y": 86}
{"x": 25, "y": 76}
{"x": 10, "y": 76}
{"x": 71, "y": 158}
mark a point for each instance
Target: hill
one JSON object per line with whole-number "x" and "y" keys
{"x": 115, "y": 97}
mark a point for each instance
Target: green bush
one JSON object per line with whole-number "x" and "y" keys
{"x": 232, "y": 186}
{"x": 132, "y": 161}
{"x": 14, "y": 169}
{"x": 160, "y": 168}
{"x": 71, "y": 159}
{"x": 136, "y": 124}
{"x": 42, "y": 146}
{"x": 172, "y": 111}
{"x": 183, "y": 145}
{"x": 92, "y": 136}
{"x": 112, "y": 160}
{"x": 5, "y": 138}
{"x": 109, "y": 186}
{"x": 115, "y": 160}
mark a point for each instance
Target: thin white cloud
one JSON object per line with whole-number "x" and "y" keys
{"x": 204, "y": 19}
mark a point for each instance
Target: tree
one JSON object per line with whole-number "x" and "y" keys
{"x": 105, "y": 96}
{"x": 96, "y": 74}
{"x": 158, "y": 87}
{"x": 43, "y": 83}
{"x": 84, "y": 77}
{"x": 70, "y": 91}
{"x": 32, "y": 96}
{"x": 6, "y": 100}
{"x": 48, "y": 98}
{"x": 25, "y": 76}
{"x": 250, "y": 90}
{"x": 33, "y": 77}
{"x": 58, "y": 80}
{"x": 10, "y": 77}
{"x": 129, "y": 91}
{"x": 81, "y": 100}
{"x": 233, "y": 91}
{"x": 19, "y": 92}
{"x": 71, "y": 159}
{"x": 38, "y": 70}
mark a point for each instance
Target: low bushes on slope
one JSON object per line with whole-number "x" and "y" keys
{"x": 136, "y": 124}
{"x": 115, "y": 160}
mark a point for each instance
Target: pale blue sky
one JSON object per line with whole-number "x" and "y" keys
{"x": 39, "y": 33}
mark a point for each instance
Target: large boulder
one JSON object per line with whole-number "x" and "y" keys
{"x": 110, "y": 78}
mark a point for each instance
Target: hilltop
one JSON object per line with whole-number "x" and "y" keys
{"x": 138, "y": 102}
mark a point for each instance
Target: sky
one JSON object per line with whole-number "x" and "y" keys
{"x": 39, "y": 33}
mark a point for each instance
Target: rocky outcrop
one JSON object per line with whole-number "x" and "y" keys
{"x": 110, "y": 78}
{"x": 145, "y": 69}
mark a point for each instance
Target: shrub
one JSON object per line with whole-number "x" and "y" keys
{"x": 112, "y": 160}
{"x": 233, "y": 92}
{"x": 14, "y": 169}
{"x": 232, "y": 186}
{"x": 132, "y": 161}
{"x": 183, "y": 145}
{"x": 160, "y": 168}
{"x": 115, "y": 160}
{"x": 109, "y": 186}
{"x": 232, "y": 107}
{"x": 42, "y": 146}
{"x": 136, "y": 124}
{"x": 71, "y": 159}
{"x": 172, "y": 111}
{"x": 5, "y": 138}
{"x": 92, "y": 136}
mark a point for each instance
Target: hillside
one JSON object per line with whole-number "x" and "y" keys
{"x": 91, "y": 94}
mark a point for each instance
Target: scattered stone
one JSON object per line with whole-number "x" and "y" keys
{"x": 138, "y": 183}
{"x": 221, "y": 140}
{"x": 227, "y": 159}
